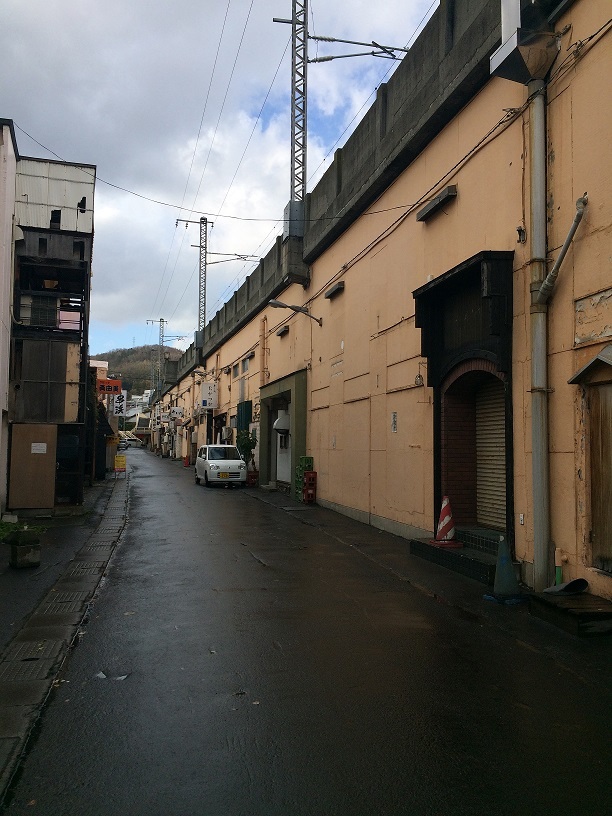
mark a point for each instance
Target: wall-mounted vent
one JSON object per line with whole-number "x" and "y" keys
{"x": 335, "y": 290}
{"x": 448, "y": 194}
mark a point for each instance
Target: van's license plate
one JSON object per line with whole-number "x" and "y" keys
{"x": 223, "y": 475}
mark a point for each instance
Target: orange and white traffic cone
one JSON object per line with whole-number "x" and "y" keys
{"x": 445, "y": 535}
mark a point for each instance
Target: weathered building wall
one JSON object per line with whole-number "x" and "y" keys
{"x": 373, "y": 423}
{"x": 579, "y": 124}
{"x": 8, "y": 169}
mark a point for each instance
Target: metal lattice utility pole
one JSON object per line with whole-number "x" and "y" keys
{"x": 203, "y": 222}
{"x": 202, "y": 284}
{"x": 299, "y": 63}
{"x": 160, "y": 350}
{"x": 294, "y": 213}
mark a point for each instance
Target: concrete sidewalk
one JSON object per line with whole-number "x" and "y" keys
{"x": 462, "y": 594}
{"x": 44, "y": 608}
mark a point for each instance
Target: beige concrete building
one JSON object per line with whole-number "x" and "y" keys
{"x": 456, "y": 271}
{"x": 8, "y": 172}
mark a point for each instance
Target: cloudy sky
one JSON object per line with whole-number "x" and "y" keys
{"x": 185, "y": 110}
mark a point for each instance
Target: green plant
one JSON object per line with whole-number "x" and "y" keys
{"x": 246, "y": 442}
{"x": 7, "y": 527}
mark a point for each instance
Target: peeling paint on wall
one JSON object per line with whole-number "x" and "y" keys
{"x": 593, "y": 317}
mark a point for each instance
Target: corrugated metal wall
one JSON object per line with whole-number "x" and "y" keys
{"x": 43, "y": 186}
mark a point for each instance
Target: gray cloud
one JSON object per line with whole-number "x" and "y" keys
{"x": 123, "y": 85}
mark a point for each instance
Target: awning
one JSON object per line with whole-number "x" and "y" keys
{"x": 601, "y": 363}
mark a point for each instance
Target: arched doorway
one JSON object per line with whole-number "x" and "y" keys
{"x": 474, "y": 471}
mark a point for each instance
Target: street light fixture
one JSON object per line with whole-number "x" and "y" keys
{"x": 276, "y": 304}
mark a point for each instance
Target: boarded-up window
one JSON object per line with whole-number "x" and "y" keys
{"x": 46, "y": 374}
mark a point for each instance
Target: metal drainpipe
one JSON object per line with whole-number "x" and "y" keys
{"x": 263, "y": 362}
{"x": 547, "y": 287}
{"x": 542, "y": 555}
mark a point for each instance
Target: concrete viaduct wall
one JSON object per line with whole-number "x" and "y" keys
{"x": 444, "y": 69}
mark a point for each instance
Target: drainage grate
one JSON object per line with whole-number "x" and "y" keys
{"x": 94, "y": 547}
{"x": 27, "y": 670}
{"x": 59, "y": 608}
{"x": 89, "y": 569}
{"x": 66, "y": 597}
{"x": 33, "y": 649}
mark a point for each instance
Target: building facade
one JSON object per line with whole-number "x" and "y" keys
{"x": 48, "y": 232}
{"x": 8, "y": 172}
{"x": 455, "y": 268}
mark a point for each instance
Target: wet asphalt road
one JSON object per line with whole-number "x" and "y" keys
{"x": 254, "y": 664}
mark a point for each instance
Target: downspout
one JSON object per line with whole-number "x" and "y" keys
{"x": 547, "y": 287}
{"x": 541, "y": 290}
{"x": 542, "y": 555}
{"x": 526, "y": 56}
{"x": 263, "y": 360}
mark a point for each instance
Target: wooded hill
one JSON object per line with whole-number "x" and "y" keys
{"x": 135, "y": 366}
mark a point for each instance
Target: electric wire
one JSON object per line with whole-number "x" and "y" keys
{"x": 243, "y": 273}
{"x": 576, "y": 50}
{"x": 193, "y": 155}
{"x": 214, "y": 136}
{"x": 229, "y": 82}
{"x": 259, "y": 115}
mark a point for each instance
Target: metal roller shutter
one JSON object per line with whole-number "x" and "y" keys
{"x": 491, "y": 455}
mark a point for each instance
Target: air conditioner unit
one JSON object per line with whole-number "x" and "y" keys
{"x": 226, "y": 434}
{"x": 38, "y": 310}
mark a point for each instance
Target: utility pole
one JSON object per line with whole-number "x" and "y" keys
{"x": 202, "y": 280}
{"x": 299, "y": 76}
{"x": 158, "y": 367}
{"x": 203, "y": 222}
{"x": 161, "y": 358}
{"x": 203, "y": 247}
{"x": 294, "y": 212}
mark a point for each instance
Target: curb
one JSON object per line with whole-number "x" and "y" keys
{"x": 32, "y": 661}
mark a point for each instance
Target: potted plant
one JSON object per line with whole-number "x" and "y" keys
{"x": 246, "y": 442}
{"x": 24, "y": 543}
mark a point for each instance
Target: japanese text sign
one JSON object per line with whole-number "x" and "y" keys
{"x": 108, "y": 386}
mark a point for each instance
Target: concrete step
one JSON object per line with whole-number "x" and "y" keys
{"x": 583, "y": 615}
{"x": 473, "y": 563}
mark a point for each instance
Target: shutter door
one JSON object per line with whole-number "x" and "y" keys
{"x": 491, "y": 455}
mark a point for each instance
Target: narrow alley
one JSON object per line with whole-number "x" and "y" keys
{"x": 249, "y": 655}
